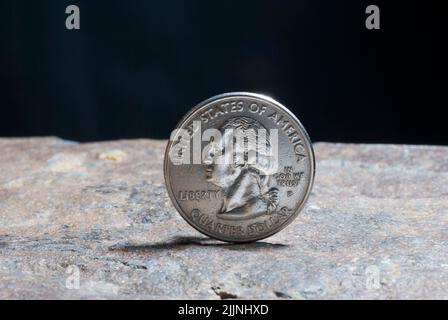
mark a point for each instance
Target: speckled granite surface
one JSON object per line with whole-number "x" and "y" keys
{"x": 375, "y": 226}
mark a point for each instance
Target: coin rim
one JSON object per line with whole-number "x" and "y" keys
{"x": 218, "y": 97}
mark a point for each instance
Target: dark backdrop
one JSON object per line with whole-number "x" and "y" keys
{"x": 136, "y": 67}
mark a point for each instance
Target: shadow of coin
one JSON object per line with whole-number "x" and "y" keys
{"x": 186, "y": 242}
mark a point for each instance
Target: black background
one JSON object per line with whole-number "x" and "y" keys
{"x": 137, "y": 66}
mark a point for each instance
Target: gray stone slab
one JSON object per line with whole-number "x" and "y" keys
{"x": 375, "y": 226}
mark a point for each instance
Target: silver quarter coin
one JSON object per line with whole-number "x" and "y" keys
{"x": 239, "y": 167}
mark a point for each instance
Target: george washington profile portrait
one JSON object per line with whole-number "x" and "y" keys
{"x": 241, "y": 170}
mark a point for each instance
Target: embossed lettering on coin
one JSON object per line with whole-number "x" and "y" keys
{"x": 239, "y": 167}
{"x": 199, "y": 195}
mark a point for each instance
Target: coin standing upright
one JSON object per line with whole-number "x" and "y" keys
{"x": 239, "y": 167}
